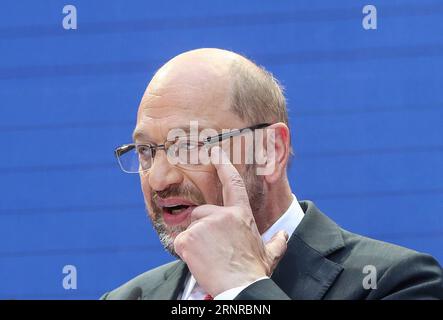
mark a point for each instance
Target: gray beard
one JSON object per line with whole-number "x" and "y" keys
{"x": 166, "y": 236}
{"x": 256, "y": 194}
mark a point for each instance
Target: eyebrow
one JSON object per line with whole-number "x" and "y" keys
{"x": 138, "y": 133}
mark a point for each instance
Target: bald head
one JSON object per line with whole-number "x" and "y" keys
{"x": 220, "y": 80}
{"x": 202, "y": 68}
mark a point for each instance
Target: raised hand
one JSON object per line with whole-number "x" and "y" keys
{"x": 222, "y": 246}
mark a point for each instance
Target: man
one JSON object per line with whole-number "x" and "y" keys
{"x": 238, "y": 234}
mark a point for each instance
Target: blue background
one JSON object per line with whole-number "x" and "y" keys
{"x": 365, "y": 109}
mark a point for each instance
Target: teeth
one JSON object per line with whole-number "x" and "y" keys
{"x": 176, "y": 211}
{"x": 177, "y": 208}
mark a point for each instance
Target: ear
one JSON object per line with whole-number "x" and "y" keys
{"x": 275, "y": 152}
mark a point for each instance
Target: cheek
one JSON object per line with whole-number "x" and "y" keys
{"x": 209, "y": 186}
{"x": 145, "y": 185}
{"x": 146, "y": 193}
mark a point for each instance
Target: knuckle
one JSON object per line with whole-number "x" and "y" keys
{"x": 180, "y": 242}
{"x": 236, "y": 180}
{"x": 269, "y": 269}
{"x": 177, "y": 245}
{"x": 229, "y": 215}
{"x": 232, "y": 214}
{"x": 284, "y": 246}
{"x": 278, "y": 254}
{"x": 243, "y": 214}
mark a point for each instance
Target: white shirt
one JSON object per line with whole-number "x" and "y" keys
{"x": 288, "y": 222}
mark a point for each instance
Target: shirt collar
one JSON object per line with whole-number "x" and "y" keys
{"x": 287, "y": 222}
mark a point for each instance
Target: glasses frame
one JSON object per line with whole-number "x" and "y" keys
{"x": 121, "y": 150}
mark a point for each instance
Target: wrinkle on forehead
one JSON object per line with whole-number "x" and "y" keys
{"x": 187, "y": 100}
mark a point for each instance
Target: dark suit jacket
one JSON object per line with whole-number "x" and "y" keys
{"x": 322, "y": 261}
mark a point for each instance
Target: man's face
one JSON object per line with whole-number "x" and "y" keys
{"x": 172, "y": 100}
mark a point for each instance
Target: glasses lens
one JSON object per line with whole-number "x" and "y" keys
{"x": 134, "y": 159}
{"x": 187, "y": 152}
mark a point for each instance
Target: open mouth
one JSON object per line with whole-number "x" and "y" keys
{"x": 175, "y": 210}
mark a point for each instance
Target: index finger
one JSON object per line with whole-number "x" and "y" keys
{"x": 234, "y": 189}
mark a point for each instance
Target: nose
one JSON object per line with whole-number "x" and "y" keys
{"x": 162, "y": 173}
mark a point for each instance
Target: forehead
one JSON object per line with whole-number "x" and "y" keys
{"x": 187, "y": 90}
{"x": 152, "y": 130}
{"x": 158, "y": 114}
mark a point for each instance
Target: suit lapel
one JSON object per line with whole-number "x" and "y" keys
{"x": 305, "y": 272}
{"x": 171, "y": 285}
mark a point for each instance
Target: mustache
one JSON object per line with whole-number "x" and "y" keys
{"x": 179, "y": 191}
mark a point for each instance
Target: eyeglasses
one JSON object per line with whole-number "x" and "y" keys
{"x": 183, "y": 151}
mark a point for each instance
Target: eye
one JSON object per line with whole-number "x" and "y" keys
{"x": 144, "y": 150}
{"x": 188, "y": 145}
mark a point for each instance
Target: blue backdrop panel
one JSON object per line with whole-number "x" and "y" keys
{"x": 365, "y": 107}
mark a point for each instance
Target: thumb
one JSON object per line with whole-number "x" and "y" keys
{"x": 276, "y": 248}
